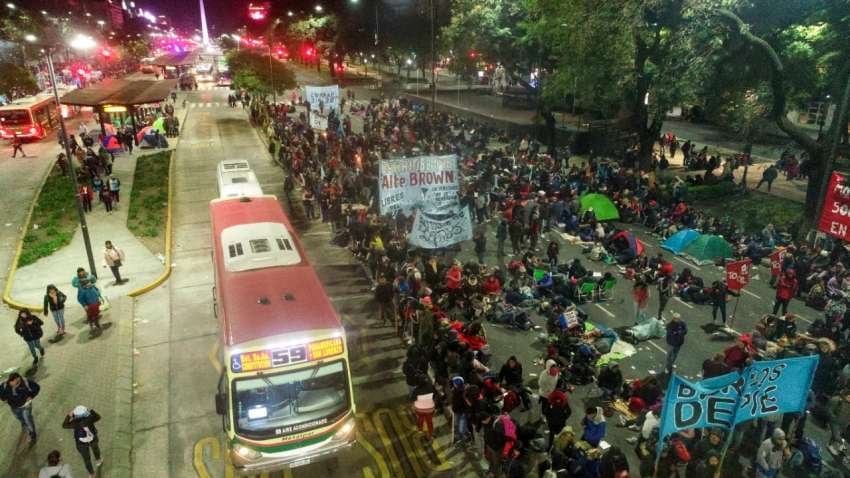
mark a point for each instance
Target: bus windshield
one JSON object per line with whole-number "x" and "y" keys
{"x": 272, "y": 405}
{"x": 14, "y": 118}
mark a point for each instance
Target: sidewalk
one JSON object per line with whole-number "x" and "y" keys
{"x": 79, "y": 370}
{"x": 140, "y": 266}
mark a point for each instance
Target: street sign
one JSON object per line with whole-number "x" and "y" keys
{"x": 738, "y": 274}
{"x": 835, "y": 215}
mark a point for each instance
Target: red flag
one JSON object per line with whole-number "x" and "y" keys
{"x": 738, "y": 274}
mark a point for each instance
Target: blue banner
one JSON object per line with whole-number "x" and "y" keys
{"x": 763, "y": 388}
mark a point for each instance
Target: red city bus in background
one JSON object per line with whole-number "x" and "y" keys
{"x": 31, "y": 117}
{"x": 285, "y": 391}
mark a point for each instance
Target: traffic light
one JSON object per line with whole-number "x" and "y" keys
{"x": 258, "y": 11}
{"x": 473, "y": 54}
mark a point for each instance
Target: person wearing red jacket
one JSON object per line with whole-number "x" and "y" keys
{"x": 786, "y": 289}
{"x": 492, "y": 286}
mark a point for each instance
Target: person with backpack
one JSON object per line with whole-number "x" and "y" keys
{"x": 54, "y": 301}
{"x": 499, "y": 438}
{"x": 18, "y": 393}
{"x": 28, "y": 327}
{"x": 81, "y": 420}
{"x": 55, "y": 468}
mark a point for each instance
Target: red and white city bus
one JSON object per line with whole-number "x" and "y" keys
{"x": 30, "y": 117}
{"x": 285, "y": 392}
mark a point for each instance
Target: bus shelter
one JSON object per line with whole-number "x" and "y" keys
{"x": 120, "y": 96}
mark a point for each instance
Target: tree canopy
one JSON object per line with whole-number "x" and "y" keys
{"x": 251, "y": 72}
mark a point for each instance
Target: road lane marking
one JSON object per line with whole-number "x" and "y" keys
{"x": 693, "y": 266}
{"x": 198, "y": 455}
{"x": 353, "y": 297}
{"x": 388, "y": 446}
{"x": 367, "y": 427}
{"x": 605, "y": 310}
{"x": 684, "y": 303}
{"x": 657, "y": 347}
{"x": 803, "y": 319}
{"x": 213, "y": 356}
{"x": 402, "y": 436}
{"x": 750, "y": 293}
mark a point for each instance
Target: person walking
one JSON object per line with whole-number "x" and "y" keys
{"x": 106, "y": 197}
{"x": 19, "y": 393}
{"x": 424, "y": 406}
{"x": 18, "y": 145}
{"x": 640, "y": 296}
{"x": 772, "y": 454}
{"x": 665, "y": 291}
{"x": 115, "y": 187}
{"x": 113, "y": 258}
{"x": 768, "y": 176}
{"x": 86, "y": 195}
{"x": 676, "y": 331}
{"x": 718, "y": 297}
{"x": 480, "y": 240}
{"x": 55, "y": 468}
{"x": 54, "y": 301}
{"x": 81, "y": 420}
{"x": 786, "y": 289}
{"x": 88, "y": 296}
{"x": 501, "y": 235}
{"x": 384, "y": 295}
{"x": 552, "y": 253}
{"x": 28, "y": 327}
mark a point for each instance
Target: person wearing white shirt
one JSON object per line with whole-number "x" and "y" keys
{"x": 55, "y": 468}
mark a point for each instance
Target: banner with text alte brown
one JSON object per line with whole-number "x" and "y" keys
{"x": 428, "y": 183}
{"x": 835, "y": 215}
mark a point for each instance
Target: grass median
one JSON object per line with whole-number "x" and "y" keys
{"x": 54, "y": 219}
{"x": 148, "y": 211}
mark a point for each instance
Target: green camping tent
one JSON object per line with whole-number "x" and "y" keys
{"x": 603, "y": 208}
{"x": 708, "y": 248}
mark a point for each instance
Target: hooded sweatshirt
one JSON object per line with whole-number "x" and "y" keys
{"x": 594, "y": 429}
{"x": 547, "y": 383}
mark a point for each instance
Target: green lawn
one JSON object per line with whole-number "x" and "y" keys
{"x": 54, "y": 219}
{"x": 149, "y": 200}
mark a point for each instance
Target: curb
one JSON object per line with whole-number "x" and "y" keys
{"x": 168, "y": 239}
{"x": 10, "y": 277}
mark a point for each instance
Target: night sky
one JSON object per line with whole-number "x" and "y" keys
{"x": 224, "y": 16}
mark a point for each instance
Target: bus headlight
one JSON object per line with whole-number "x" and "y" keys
{"x": 246, "y": 453}
{"x": 345, "y": 429}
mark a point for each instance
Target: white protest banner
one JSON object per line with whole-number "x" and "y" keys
{"x": 323, "y": 99}
{"x": 423, "y": 182}
{"x": 318, "y": 121}
{"x": 433, "y": 231}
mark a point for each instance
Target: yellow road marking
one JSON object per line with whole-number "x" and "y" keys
{"x": 198, "y": 460}
{"x": 213, "y": 356}
{"x": 287, "y": 473}
{"x": 367, "y": 472}
{"x": 442, "y": 463}
{"x": 403, "y": 437}
{"x": 403, "y": 421}
{"x": 388, "y": 446}
{"x": 364, "y": 423}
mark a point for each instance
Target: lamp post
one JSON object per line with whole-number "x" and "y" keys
{"x": 80, "y": 42}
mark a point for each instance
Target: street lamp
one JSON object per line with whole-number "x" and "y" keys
{"x": 80, "y": 42}
{"x": 289, "y": 13}
{"x": 319, "y": 8}
{"x": 11, "y": 6}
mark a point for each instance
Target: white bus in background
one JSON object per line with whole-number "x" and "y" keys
{"x": 204, "y": 71}
{"x": 236, "y": 179}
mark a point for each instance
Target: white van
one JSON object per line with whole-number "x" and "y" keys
{"x": 235, "y": 179}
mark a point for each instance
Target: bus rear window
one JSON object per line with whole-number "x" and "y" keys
{"x": 14, "y": 118}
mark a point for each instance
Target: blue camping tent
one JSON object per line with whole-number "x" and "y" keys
{"x": 679, "y": 241}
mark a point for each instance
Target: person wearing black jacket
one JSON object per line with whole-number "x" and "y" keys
{"x": 718, "y": 296}
{"x": 54, "y": 301}
{"x": 384, "y": 295}
{"x": 510, "y": 377}
{"x": 28, "y": 327}
{"x": 610, "y": 381}
{"x": 82, "y": 420}
{"x": 19, "y": 392}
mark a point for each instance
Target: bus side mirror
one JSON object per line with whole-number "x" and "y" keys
{"x": 220, "y": 404}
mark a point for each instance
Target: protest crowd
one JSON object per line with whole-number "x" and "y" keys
{"x": 515, "y": 414}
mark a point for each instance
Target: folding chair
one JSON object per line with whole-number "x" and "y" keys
{"x": 605, "y": 290}
{"x": 586, "y": 290}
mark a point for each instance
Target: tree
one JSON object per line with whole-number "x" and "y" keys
{"x": 135, "y": 49}
{"x": 763, "y": 39}
{"x": 14, "y": 77}
{"x": 251, "y": 72}
{"x": 646, "y": 66}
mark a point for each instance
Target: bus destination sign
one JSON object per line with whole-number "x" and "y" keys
{"x": 266, "y": 359}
